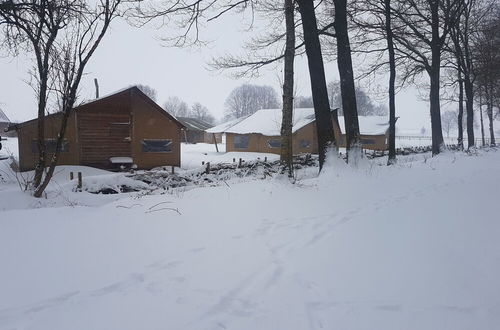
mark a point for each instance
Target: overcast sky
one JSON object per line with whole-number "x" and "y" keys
{"x": 130, "y": 55}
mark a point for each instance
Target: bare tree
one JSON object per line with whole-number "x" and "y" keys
{"x": 421, "y": 29}
{"x": 176, "y": 107}
{"x": 365, "y": 105}
{"x": 303, "y": 102}
{"x": 81, "y": 38}
{"x": 148, "y": 90}
{"x": 33, "y": 26}
{"x": 449, "y": 120}
{"x": 201, "y": 112}
{"x": 487, "y": 63}
{"x": 247, "y": 99}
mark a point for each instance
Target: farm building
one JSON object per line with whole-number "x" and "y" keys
{"x": 260, "y": 132}
{"x": 219, "y": 130}
{"x": 123, "y": 128}
{"x": 4, "y": 125}
{"x": 196, "y": 131}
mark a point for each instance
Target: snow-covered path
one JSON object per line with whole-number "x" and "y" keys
{"x": 375, "y": 248}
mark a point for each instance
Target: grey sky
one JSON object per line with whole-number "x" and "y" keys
{"x": 130, "y": 55}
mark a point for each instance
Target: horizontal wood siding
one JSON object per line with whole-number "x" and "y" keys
{"x": 102, "y": 136}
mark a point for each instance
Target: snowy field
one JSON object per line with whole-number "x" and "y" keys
{"x": 414, "y": 246}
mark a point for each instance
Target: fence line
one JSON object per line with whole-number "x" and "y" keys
{"x": 478, "y": 141}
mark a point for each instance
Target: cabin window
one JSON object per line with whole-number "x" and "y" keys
{"x": 367, "y": 141}
{"x": 305, "y": 143}
{"x": 50, "y": 146}
{"x": 156, "y": 145}
{"x": 241, "y": 141}
{"x": 274, "y": 143}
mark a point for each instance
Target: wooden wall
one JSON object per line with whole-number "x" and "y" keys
{"x": 109, "y": 127}
{"x": 259, "y": 142}
{"x": 27, "y": 135}
{"x": 150, "y": 123}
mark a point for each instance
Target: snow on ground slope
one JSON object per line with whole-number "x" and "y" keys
{"x": 373, "y": 248}
{"x": 192, "y": 155}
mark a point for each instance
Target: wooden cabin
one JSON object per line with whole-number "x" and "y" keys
{"x": 124, "y": 128}
{"x": 260, "y": 132}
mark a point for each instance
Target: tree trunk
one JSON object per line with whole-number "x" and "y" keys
{"x": 469, "y": 108}
{"x": 392, "y": 79}
{"x": 42, "y": 103}
{"x": 489, "y": 111}
{"x": 437, "y": 132}
{"x": 482, "y": 124}
{"x": 324, "y": 125}
{"x": 434, "y": 75}
{"x": 344, "y": 63}
{"x": 286, "y": 123}
{"x": 460, "y": 140}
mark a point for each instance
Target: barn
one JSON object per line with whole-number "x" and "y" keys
{"x": 124, "y": 128}
{"x": 260, "y": 132}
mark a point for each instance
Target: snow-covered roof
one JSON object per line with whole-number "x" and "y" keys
{"x": 3, "y": 117}
{"x": 369, "y": 125}
{"x": 268, "y": 122}
{"x": 221, "y": 128}
{"x": 194, "y": 124}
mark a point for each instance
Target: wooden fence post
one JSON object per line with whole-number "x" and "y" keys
{"x": 207, "y": 170}
{"x": 239, "y": 164}
{"x": 173, "y": 171}
{"x": 71, "y": 177}
{"x": 80, "y": 181}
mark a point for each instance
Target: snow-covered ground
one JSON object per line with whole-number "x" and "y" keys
{"x": 9, "y": 147}
{"x": 192, "y": 155}
{"x": 413, "y": 246}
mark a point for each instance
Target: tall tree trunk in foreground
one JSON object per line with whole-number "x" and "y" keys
{"x": 344, "y": 63}
{"x": 435, "y": 75}
{"x": 392, "y": 80}
{"x": 460, "y": 140}
{"x": 286, "y": 122}
{"x": 319, "y": 91}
